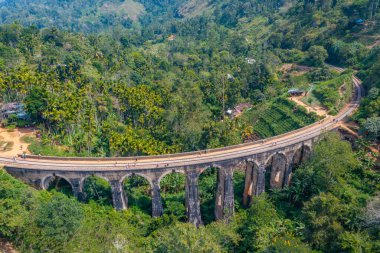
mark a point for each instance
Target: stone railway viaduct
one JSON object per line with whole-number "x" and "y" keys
{"x": 268, "y": 161}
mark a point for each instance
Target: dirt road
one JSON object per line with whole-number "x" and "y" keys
{"x": 14, "y": 140}
{"x": 320, "y": 111}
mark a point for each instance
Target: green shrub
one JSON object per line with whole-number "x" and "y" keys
{"x": 22, "y": 123}
{"x": 328, "y": 94}
{"x": 11, "y": 127}
{"x": 291, "y": 55}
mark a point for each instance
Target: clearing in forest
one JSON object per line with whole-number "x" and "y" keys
{"x": 12, "y": 140}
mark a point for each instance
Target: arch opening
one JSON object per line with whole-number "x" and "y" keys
{"x": 239, "y": 184}
{"x": 59, "y": 184}
{"x": 207, "y": 194}
{"x": 173, "y": 195}
{"x": 297, "y": 158}
{"x": 139, "y": 192}
{"x": 97, "y": 189}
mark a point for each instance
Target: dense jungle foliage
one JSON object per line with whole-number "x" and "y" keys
{"x": 146, "y": 77}
{"x": 166, "y": 87}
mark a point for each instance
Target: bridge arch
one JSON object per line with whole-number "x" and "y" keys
{"x": 208, "y": 196}
{"x": 299, "y": 156}
{"x": 296, "y": 157}
{"x": 270, "y": 157}
{"x": 173, "y": 193}
{"x": 46, "y": 181}
{"x": 62, "y": 184}
{"x": 138, "y": 189}
{"x": 98, "y": 175}
{"x": 168, "y": 173}
{"x": 147, "y": 178}
{"x": 98, "y": 188}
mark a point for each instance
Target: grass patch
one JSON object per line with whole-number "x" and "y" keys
{"x": 38, "y": 148}
{"x": 334, "y": 93}
{"x": 28, "y": 139}
{"x": 10, "y": 128}
{"x": 310, "y": 98}
{"x": 5, "y": 146}
{"x": 300, "y": 81}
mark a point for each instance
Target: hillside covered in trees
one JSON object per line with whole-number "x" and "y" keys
{"x": 86, "y": 16}
{"x": 145, "y": 77}
{"x": 166, "y": 86}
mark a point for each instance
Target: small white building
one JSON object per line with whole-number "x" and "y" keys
{"x": 238, "y": 110}
{"x": 250, "y": 60}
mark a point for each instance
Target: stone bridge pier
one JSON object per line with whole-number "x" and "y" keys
{"x": 193, "y": 206}
{"x": 263, "y": 171}
{"x": 157, "y": 208}
{"x": 224, "y": 200}
{"x": 119, "y": 198}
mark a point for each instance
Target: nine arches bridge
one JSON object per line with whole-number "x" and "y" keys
{"x": 270, "y": 160}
